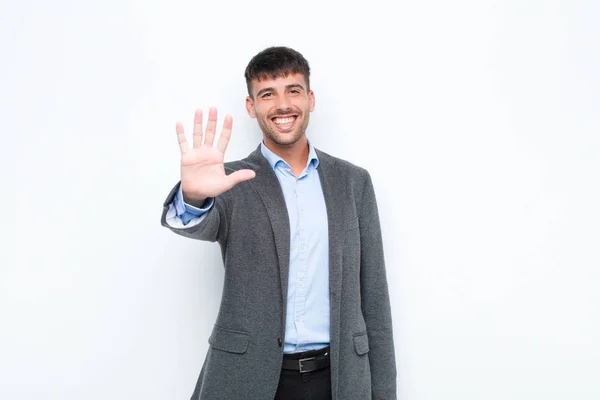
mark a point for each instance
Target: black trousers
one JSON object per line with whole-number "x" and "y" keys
{"x": 293, "y": 385}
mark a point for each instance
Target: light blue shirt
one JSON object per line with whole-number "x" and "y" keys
{"x": 307, "y": 321}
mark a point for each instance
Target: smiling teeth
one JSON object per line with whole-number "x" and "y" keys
{"x": 283, "y": 121}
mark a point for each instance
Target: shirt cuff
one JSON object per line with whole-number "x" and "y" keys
{"x": 182, "y": 207}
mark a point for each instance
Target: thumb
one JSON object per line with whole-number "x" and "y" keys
{"x": 239, "y": 176}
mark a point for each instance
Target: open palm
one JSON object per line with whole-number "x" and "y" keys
{"x": 202, "y": 166}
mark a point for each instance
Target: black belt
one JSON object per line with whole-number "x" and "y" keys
{"x": 307, "y": 364}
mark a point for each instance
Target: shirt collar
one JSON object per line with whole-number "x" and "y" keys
{"x": 274, "y": 159}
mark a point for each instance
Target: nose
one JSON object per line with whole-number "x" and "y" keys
{"x": 283, "y": 104}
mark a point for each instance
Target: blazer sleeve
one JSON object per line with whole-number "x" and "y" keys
{"x": 212, "y": 228}
{"x": 375, "y": 300}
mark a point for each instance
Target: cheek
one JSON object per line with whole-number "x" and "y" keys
{"x": 303, "y": 105}
{"x": 262, "y": 111}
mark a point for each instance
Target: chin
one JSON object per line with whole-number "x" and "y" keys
{"x": 286, "y": 140}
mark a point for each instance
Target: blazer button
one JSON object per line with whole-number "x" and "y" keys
{"x": 279, "y": 342}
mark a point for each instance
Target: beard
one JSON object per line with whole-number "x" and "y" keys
{"x": 284, "y": 139}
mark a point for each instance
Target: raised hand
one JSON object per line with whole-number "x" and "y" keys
{"x": 202, "y": 170}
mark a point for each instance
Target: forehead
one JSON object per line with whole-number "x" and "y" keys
{"x": 279, "y": 82}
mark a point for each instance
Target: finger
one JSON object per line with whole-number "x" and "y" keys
{"x": 198, "y": 128}
{"x": 211, "y": 127}
{"x": 225, "y": 134}
{"x": 239, "y": 176}
{"x": 183, "y": 144}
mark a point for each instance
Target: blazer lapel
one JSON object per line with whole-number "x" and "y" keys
{"x": 268, "y": 187}
{"x": 327, "y": 174}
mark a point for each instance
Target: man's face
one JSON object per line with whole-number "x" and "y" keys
{"x": 282, "y": 107}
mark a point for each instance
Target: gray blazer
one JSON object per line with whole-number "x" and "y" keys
{"x": 251, "y": 225}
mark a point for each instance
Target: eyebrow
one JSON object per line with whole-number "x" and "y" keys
{"x": 288, "y": 87}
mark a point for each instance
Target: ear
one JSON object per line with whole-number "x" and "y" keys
{"x": 311, "y": 100}
{"x": 250, "y": 107}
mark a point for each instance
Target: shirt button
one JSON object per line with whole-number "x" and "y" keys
{"x": 279, "y": 342}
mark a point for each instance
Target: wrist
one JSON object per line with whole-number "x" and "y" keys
{"x": 197, "y": 202}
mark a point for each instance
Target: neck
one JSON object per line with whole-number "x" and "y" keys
{"x": 295, "y": 154}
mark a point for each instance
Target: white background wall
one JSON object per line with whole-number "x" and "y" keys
{"x": 479, "y": 122}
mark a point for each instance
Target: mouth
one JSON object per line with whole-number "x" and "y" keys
{"x": 284, "y": 122}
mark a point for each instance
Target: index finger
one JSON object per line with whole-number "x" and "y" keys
{"x": 225, "y": 134}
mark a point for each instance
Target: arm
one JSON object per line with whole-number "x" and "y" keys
{"x": 203, "y": 182}
{"x": 375, "y": 300}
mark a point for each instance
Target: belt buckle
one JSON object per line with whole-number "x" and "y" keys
{"x": 302, "y": 370}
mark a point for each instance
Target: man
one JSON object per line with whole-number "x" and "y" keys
{"x": 305, "y": 312}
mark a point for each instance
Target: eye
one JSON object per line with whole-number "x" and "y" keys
{"x": 266, "y": 95}
{"x": 294, "y": 91}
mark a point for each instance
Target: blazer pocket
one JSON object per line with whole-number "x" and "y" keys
{"x": 361, "y": 343}
{"x": 228, "y": 340}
